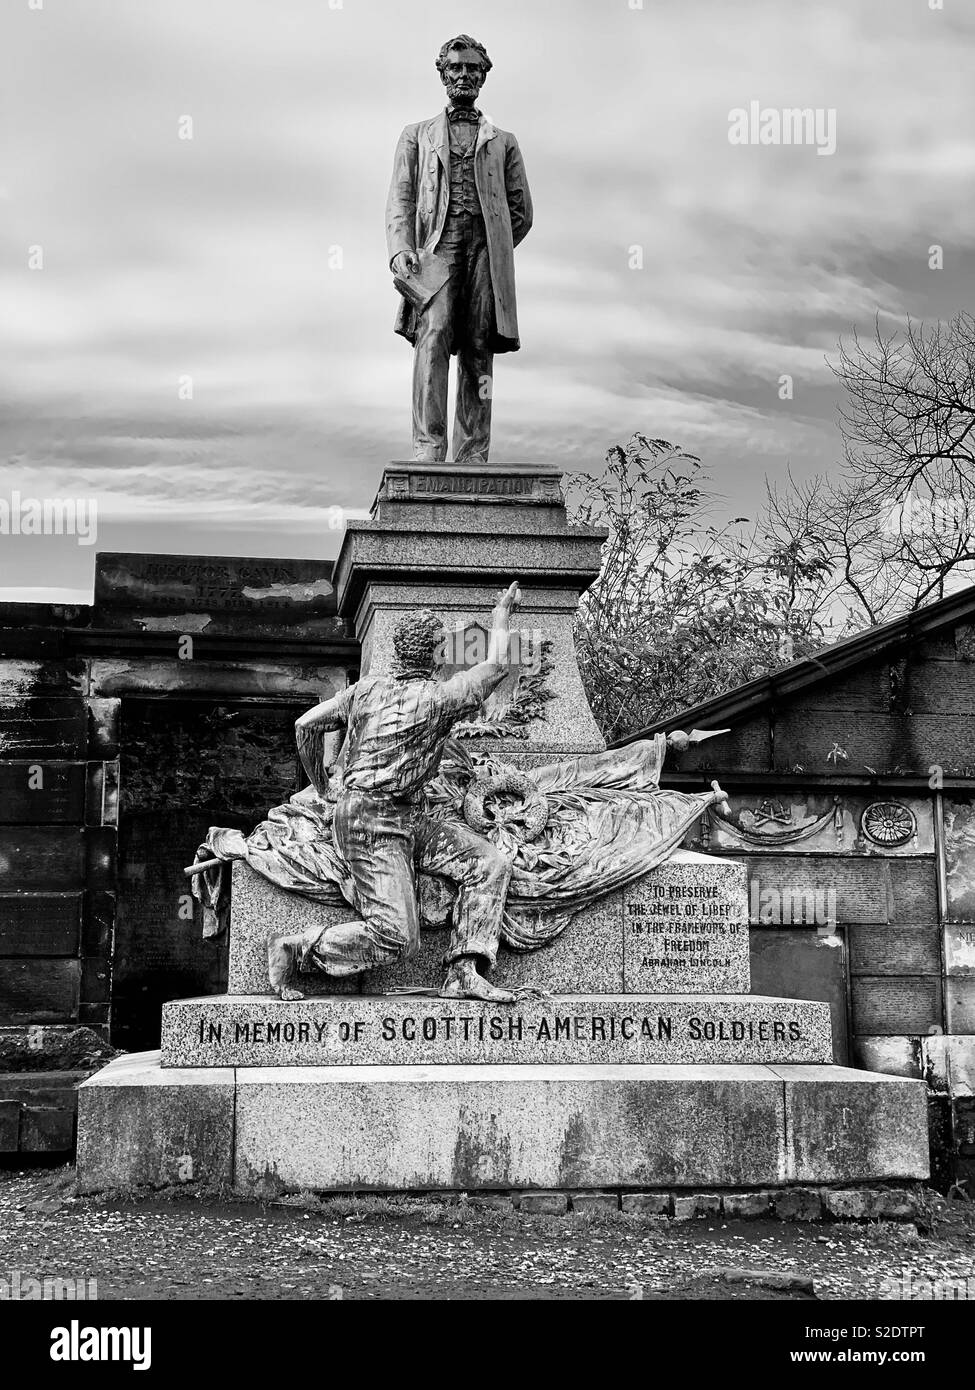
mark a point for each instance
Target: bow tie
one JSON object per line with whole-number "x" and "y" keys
{"x": 463, "y": 113}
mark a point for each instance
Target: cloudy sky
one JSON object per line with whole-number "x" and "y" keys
{"x": 251, "y": 259}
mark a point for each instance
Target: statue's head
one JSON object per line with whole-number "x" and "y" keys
{"x": 463, "y": 65}
{"x": 418, "y": 644}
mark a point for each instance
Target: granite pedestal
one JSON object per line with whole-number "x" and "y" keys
{"x": 478, "y": 1128}
{"x": 588, "y": 1029}
{"x": 647, "y": 1063}
{"x": 683, "y": 929}
{"x": 450, "y": 539}
{"x": 599, "y": 1088}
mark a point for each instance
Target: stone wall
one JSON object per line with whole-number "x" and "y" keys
{"x": 127, "y": 728}
{"x": 853, "y": 808}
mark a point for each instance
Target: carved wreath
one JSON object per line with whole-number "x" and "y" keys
{"x": 507, "y": 807}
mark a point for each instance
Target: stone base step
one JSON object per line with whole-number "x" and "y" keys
{"x": 397, "y": 1030}
{"x": 481, "y": 1128}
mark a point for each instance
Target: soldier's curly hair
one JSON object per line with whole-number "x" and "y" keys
{"x": 464, "y": 41}
{"x": 417, "y": 639}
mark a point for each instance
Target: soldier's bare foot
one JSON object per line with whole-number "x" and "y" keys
{"x": 289, "y": 994}
{"x": 463, "y": 982}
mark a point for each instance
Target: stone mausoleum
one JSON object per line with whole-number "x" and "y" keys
{"x": 127, "y": 727}
{"x": 851, "y": 778}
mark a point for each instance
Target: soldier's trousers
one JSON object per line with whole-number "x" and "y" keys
{"x": 459, "y": 317}
{"x": 386, "y": 844}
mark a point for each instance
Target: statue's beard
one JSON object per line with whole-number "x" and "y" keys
{"x": 462, "y": 96}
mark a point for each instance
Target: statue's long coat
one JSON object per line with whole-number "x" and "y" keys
{"x": 417, "y": 209}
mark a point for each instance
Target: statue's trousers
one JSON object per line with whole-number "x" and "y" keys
{"x": 385, "y": 844}
{"x": 460, "y": 318}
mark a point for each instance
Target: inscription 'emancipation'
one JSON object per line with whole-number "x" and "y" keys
{"x": 475, "y": 486}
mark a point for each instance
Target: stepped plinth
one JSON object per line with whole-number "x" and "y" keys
{"x": 603, "y": 1087}
{"x": 570, "y": 1029}
{"x": 636, "y": 1056}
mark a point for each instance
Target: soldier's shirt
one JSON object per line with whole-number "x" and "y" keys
{"x": 396, "y": 729}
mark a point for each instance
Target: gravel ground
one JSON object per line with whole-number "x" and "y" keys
{"x": 175, "y": 1246}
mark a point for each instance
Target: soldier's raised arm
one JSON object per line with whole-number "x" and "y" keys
{"x": 476, "y": 683}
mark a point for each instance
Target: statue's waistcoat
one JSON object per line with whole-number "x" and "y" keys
{"x": 463, "y": 197}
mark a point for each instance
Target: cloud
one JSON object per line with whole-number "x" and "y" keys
{"x": 250, "y": 260}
